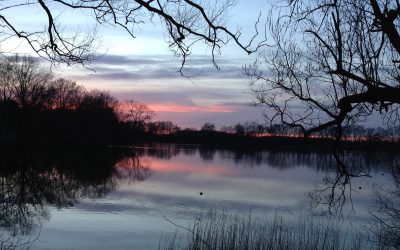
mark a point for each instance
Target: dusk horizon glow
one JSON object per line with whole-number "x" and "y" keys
{"x": 204, "y": 94}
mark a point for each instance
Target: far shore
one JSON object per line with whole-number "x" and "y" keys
{"x": 204, "y": 138}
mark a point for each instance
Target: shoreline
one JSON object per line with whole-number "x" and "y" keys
{"x": 215, "y": 140}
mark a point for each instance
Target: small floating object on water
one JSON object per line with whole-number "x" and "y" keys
{"x": 201, "y": 193}
{"x": 382, "y": 174}
{"x": 359, "y": 187}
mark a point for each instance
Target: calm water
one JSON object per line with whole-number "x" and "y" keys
{"x": 125, "y": 199}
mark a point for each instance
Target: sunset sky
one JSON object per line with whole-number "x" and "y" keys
{"x": 144, "y": 69}
{"x": 215, "y": 96}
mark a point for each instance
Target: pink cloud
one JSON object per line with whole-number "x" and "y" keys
{"x": 167, "y": 107}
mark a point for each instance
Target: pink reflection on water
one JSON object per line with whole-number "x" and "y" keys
{"x": 211, "y": 168}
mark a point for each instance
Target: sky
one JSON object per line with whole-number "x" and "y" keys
{"x": 218, "y": 96}
{"x": 145, "y": 69}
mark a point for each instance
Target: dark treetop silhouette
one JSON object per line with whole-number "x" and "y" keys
{"x": 33, "y": 107}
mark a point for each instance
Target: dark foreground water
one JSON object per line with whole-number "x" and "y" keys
{"x": 132, "y": 198}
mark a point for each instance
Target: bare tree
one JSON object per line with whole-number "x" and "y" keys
{"x": 6, "y": 97}
{"x": 187, "y": 23}
{"x": 6, "y": 79}
{"x": 136, "y": 113}
{"x": 163, "y": 127}
{"x": 24, "y": 81}
{"x": 332, "y": 63}
{"x": 65, "y": 94}
{"x": 97, "y": 100}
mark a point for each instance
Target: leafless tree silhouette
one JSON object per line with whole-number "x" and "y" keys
{"x": 332, "y": 63}
{"x": 187, "y": 23}
{"x": 136, "y": 113}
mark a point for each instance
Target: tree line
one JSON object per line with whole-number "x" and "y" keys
{"x": 253, "y": 135}
{"x": 35, "y": 107}
{"x": 350, "y": 132}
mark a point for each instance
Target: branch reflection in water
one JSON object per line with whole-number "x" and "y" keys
{"x": 331, "y": 195}
{"x": 335, "y": 190}
{"x": 30, "y": 181}
{"x": 345, "y": 174}
{"x": 386, "y": 209}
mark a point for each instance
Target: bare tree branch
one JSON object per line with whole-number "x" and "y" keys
{"x": 187, "y": 23}
{"x": 334, "y": 62}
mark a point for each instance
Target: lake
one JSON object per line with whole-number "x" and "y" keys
{"x": 135, "y": 197}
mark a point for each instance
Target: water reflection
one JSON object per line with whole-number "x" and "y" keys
{"x": 31, "y": 181}
{"x": 335, "y": 189}
{"x": 318, "y": 160}
{"x": 137, "y": 187}
{"x": 386, "y": 210}
{"x": 341, "y": 174}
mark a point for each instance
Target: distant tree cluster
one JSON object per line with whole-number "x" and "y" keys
{"x": 350, "y": 132}
{"x": 361, "y": 133}
{"x": 34, "y": 105}
{"x": 162, "y": 128}
{"x": 248, "y": 129}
